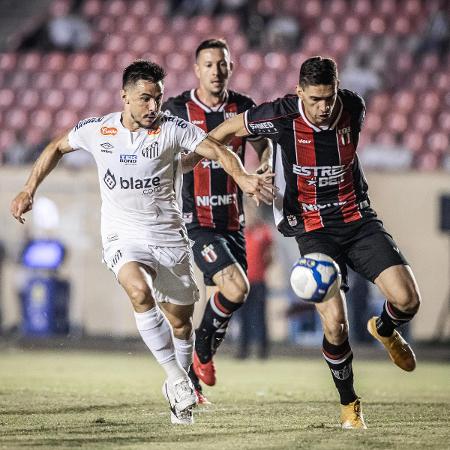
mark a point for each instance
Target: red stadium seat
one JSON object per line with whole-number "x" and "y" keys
{"x": 327, "y": 25}
{"x": 377, "y": 25}
{"x": 276, "y": 61}
{"x": 78, "y": 62}
{"x": 43, "y": 80}
{"x": 106, "y": 24}
{"x": 352, "y": 25}
{"x": 337, "y": 8}
{"x": 103, "y": 62}
{"x": 154, "y": 25}
{"x": 164, "y": 45}
{"x": 54, "y": 62}
{"x": 28, "y": 99}
{"x": 42, "y": 118}
{"x": 76, "y": 99}
{"x": 251, "y": 61}
{"x": 29, "y": 61}
{"x": 202, "y": 25}
{"x": 115, "y": 43}
{"x": 313, "y": 44}
{"x": 380, "y": 103}
{"x": 430, "y": 102}
{"x": 130, "y": 24}
{"x": 227, "y": 24}
{"x": 242, "y": 81}
{"x": 53, "y": 99}
{"x": 91, "y": 80}
{"x": 177, "y": 62}
{"x": 362, "y": 8}
{"x": 438, "y": 142}
{"x": 117, "y": 8}
{"x": 404, "y": 101}
{"x": 68, "y": 80}
{"x": 16, "y": 119}
{"x": 422, "y": 122}
{"x": 91, "y": 8}
{"x": 64, "y": 120}
{"x": 401, "y": 25}
{"x": 7, "y": 61}
{"x": 311, "y": 9}
{"x": 19, "y": 80}
{"x": 373, "y": 123}
{"x": 7, "y": 139}
{"x": 140, "y": 8}
{"x": 139, "y": 44}
{"x": 180, "y": 25}
{"x": 6, "y": 98}
{"x": 413, "y": 140}
{"x": 397, "y": 122}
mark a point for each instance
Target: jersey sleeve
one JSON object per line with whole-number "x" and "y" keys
{"x": 79, "y": 134}
{"x": 262, "y": 120}
{"x": 187, "y": 135}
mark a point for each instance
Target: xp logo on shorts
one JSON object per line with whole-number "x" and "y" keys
{"x": 209, "y": 254}
{"x": 109, "y": 179}
{"x": 151, "y": 151}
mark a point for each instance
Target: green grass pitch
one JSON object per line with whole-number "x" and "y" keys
{"x": 101, "y": 400}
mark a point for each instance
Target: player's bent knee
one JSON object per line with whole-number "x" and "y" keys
{"x": 237, "y": 294}
{"x": 140, "y": 298}
{"x": 408, "y": 300}
{"x": 182, "y": 330}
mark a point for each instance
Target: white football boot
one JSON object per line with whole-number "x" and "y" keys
{"x": 181, "y": 397}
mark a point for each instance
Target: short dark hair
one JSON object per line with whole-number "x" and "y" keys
{"x": 212, "y": 43}
{"x": 142, "y": 69}
{"x": 318, "y": 70}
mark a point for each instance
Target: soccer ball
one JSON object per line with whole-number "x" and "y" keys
{"x": 316, "y": 278}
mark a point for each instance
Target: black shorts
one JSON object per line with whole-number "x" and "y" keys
{"x": 214, "y": 251}
{"x": 365, "y": 246}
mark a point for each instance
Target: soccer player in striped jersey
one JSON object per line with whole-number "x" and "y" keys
{"x": 212, "y": 202}
{"x": 323, "y": 202}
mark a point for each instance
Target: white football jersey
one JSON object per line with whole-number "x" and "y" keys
{"x": 140, "y": 175}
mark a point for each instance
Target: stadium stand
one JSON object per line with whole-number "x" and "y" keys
{"x": 407, "y": 112}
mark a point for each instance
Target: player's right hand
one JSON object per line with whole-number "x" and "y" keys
{"x": 22, "y": 203}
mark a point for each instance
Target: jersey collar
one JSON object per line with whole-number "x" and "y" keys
{"x": 220, "y": 107}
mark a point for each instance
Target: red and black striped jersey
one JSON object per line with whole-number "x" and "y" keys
{"x": 317, "y": 170}
{"x": 211, "y": 198}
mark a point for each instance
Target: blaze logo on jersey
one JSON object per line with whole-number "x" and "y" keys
{"x": 209, "y": 254}
{"x": 108, "y": 131}
{"x": 109, "y": 179}
{"x": 151, "y": 151}
{"x": 139, "y": 183}
{"x": 321, "y": 175}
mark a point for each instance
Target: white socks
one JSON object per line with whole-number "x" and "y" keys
{"x": 157, "y": 335}
{"x": 184, "y": 350}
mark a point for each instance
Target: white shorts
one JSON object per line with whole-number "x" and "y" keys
{"x": 174, "y": 281}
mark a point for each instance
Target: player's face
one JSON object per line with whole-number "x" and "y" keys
{"x": 213, "y": 69}
{"x": 318, "y": 102}
{"x": 143, "y": 101}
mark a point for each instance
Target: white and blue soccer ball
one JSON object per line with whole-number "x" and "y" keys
{"x": 316, "y": 278}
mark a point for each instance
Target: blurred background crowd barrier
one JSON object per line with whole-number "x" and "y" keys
{"x": 62, "y": 60}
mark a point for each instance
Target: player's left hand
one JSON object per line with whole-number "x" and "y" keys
{"x": 259, "y": 186}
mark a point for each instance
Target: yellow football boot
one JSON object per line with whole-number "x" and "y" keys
{"x": 352, "y": 417}
{"x": 399, "y": 350}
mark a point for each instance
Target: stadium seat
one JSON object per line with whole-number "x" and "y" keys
{"x": 53, "y": 99}
{"x": 76, "y": 99}
{"x": 115, "y": 43}
{"x": 6, "y": 98}
{"x": 68, "y": 81}
{"x": 7, "y": 61}
{"x": 28, "y": 99}
{"x": 78, "y": 62}
{"x": 352, "y": 25}
{"x": 117, "y": 8}
{"x": 54, "y": 62}
{"x": 43, "y": 80}
{"x": 91, "y": 8}
{"x": 154, "y": 25}
{"x": 140, "y": 8}
{"x": 42, "y": 118}
{"x": 311, "y": 9}
{"x": 177, "y": 62}
{"x": 29, "y": 61}
{"x": 16, "y": 119}
{"x": 276, "y": 61}
{"x": 65, "y": 120}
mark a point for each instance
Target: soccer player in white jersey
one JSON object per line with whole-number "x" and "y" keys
{"x": 145, "y": 244}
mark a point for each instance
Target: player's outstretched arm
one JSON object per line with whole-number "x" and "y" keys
{"x": 259, "y": 186}
{"x": 46, "y": 162}
{"x": 189, "y": 161}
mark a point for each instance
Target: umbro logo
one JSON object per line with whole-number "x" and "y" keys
{"x": 304, "y": 141}
{"x": 106, "y": 147}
